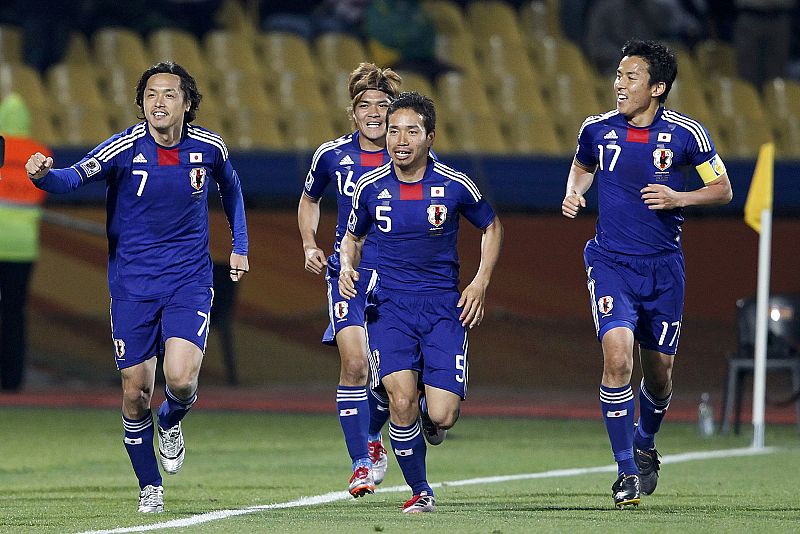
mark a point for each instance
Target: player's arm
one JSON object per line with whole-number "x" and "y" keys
{"x": 716, "y": 191}
{"x": 308, "y": 222}
{"x": 41, "y": 172}
{"x": 473, "y": 298}
{"x": 349, "y": 259}
{"x": 578, "y": 182}
{"x": 230, "y": 192}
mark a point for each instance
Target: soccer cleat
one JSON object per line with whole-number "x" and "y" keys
{"x": 380, "y": 461}
{"x": 170, "y": 448}
{"x": 151, "y": 500}
{"x": 433, "y": 434}
{"x": 648, "y": 464}
{"x": 361, "y": 483}
{"x": 626, "y": 491}
{"x": 420, "y": 503}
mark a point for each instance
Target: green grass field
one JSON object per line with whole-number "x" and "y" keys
{"x": 67, "y": 471}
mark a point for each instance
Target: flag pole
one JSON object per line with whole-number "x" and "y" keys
{"x": 762, "y": 316}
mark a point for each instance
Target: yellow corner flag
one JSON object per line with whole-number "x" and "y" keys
{"x": 760, "y": 195}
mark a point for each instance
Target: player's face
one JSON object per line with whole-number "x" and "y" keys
{"x": 369, "y": 115}
{"x": 632, "y": 86}
{"x": 164, "y": 103}
{"x": 407, "y": 141}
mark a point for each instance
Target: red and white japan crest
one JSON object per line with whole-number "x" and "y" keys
{"x": 662, "y": 158}
{"x": 340, "y": 309}
{"x": 437, "y": 214}
{"x": 119, "y": 348}
{"x": 197, "y": 177}
{"x": 605, "y": 305}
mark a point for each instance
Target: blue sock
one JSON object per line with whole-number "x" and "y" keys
{"x": 651, "y": 413}
{"x": 618, "y": 410}
{"x": 139, "y": 444}
{"x": 410, "y": 450}
{"x": 173, "y": 409}
{"x": 351, "y": 401}
{"x": 378, "y": 413}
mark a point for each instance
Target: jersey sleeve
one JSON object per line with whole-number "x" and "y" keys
{"x": 474, "y": 207}
{"x": 360, "y": 220}
{"x": 318, "y": 177}
{"x": 97, "y": 165}
{"x": 230, "y": 192}
{"x": 584, "y": 153}
{"x": 701, "y": 152}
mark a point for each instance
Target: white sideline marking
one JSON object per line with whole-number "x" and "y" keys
{"x": 343, "y": 495}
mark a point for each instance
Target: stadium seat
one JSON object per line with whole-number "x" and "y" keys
{"x": 459, "y": 92}
{"x": 552, "y": 56}
{"x": 10, "y": 44}
{"x": 78, "y": 50}
{"x": 783, "y": 353}
{"x": 180, "y": 46}
{"x": 295, "y": 92}
{"x": 716, "y": 58}
{"x": 531, "y": 134}
{"x": 116, "y": 46}
{"x": 687, "y": 98}
{"x": 73, "y": 84}
{"x": 447, "y": 17}
{"x": 413, "y": 81}
{"x": 226, "y": 50}
{"x": 744, "y": 136}
{"x": 238, "y": 89}
{"x": 732, "y": 97}
{"x": 338, "y": 52}
{"x": 472, "y": 132}
{"x": 305, "y": 129}
{"x": 459, "y": 51}
{"x": 233, "y": 16}
{"x": 782, "y": 97}
{"x": 24, "y": 80}
{"x": 571, "y": 103}
{"x": 82, "y": 126}
{"x": 786, "y": 131}
{"x": 248, "y": 129}
{"x": 284, "y": 51}
{"x": 539, "y": 19}
{"x": 513, "y": 97}
{"x": 493, "y": 17}
{"x": 501, "y": 59}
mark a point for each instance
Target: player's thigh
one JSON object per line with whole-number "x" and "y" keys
{"x": 136, "y": 330}
{"x": 182, "y": 360}
{"x": 613, "y": 303}
{"x": 443, "y": 406}
{"x": 660, "y": 316}
{"x": 392, "y": 339}
{"x": 187, "y": 315}
{"x": 445, "y": 346}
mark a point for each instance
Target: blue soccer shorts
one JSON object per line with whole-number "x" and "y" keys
{"x": 140, "y": 328}
{"x": 343, "y": 312}
{"x": 421, "y": 333}
{"x": 642, "y": 293}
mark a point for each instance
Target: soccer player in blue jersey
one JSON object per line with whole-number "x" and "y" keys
{"x": 411, "y": 207}
{"x": 157, "y": 176}
{"x": 641, "y": 155}
{"x": 362, "y": 410}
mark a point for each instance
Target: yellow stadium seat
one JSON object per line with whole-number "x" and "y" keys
{"x": 179, "y": 46}
{"x": 119, "y": 85}
{"x": 123, "y": 116}
{"x": 744, "y": 136}
{"x": 734, "y": 97}
{"x": 211, "y": 118}
{"x": 512, "y": 96}
{"x": 253, "y": 130}
{"x": 42, "y": 128}
{"x": 688, "y": 69}
{"x": 116, "y": 46}
{"x": 226, "y": 50}
{"x": 500, "y": 59}
{"x": 24, "y": 80}
{"x": 413, "y": 81}
{"x": 294, "y": 92}
{"x": 10, "y": 44}
{"x": 716, "y": 58}
{"x": 70, "y": 84}
{"x": 786, "y": 131}
{"x": 782, "y": 97}
{"x": 536, "y": 135}
{"x": 238, "y": 89}
{"x": 552, "y": 56}
{"x": 82, "y": 126}
{"x": 687, "y": 98}
{"x": 493, "y": 17}
{"x": 78, "y": 50}
{"x": 459, "y": 92}
{"x": 233, "y": 16}
{"x": 469, "y": 131}
{"x": 306, "y": 129}
{"x": 284, "y": 51}
{"x": 459, "y": 51}
{"x": 539, "y": 19}
{"x": 447, "y": 17}
{"x": 338, "y": 52}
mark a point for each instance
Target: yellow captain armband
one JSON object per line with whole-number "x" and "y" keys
{"x": 711, "y": 169}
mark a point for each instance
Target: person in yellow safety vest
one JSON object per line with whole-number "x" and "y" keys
{"x": 20, "y": 212}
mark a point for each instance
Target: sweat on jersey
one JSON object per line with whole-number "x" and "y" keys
{"x": 415, "y": 225}
{"x": 343, "y": 162}
{"x": 628, "y": 158}
{"x": 157, "y": 208}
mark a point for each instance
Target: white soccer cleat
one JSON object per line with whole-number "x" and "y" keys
{"x": 380, "y": 461}
{"x": 151, "y": 500}
{"x": 361, "y": 482}
{"x": 170, "y": 448}
{"x": 420, "y": 503}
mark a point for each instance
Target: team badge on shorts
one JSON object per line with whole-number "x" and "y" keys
{"x": 662, "y": 158}
{"x": 119, "y": 348}
{"x": 197, "y": 177}
{"x": 605, "y": 305}
{"x": 340, "y": 310}
{"x": 437, "y": 214}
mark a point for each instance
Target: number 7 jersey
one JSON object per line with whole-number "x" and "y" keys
{"x": 627, "y": 159}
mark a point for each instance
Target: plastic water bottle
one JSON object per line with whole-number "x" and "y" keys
{"x": 705, "y": 417}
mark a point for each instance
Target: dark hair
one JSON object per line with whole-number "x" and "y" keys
{"x": 188, "y": 86}
{"x": 661, "y": 62}
{"x": 419, "y": 103}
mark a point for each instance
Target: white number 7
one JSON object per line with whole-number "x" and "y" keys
{"x": 143, "y": 174}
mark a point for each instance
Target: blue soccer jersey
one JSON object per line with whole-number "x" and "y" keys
{"x": 157, "y": 208}
{"x": 416, "y": 224}
{"x": 343, "y": 161}
{"x": 629, "y": 158}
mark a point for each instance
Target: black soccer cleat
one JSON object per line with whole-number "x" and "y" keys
{"x": 649, "y": 465}
{"x": 625, "y": 491}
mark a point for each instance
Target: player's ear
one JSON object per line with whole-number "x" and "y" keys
{"x": 430, "y": 137}
{"x": 658, "y": 89}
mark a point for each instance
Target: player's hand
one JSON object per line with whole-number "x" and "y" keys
{"x": 347, "y": 283}
{"x": 572, "y": 204}
{"x": 315, "y": 260}
{"x": 38, "y": 165}
{"x": 661, "y": 197}
{"x": 472, "y": 300}
{"x": 239, "y": 266}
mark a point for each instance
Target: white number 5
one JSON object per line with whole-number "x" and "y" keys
{"x": 143, "y": 174}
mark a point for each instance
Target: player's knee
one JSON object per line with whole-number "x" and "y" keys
{"x": 443, "y": 418}
{"x": 183, "y": 387}
{"x": 354, "y": 372}
{"x": 136, "y": 399}
{"x": 405, "y": 408}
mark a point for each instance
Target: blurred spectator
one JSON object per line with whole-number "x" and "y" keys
{"x": 762, "y": 35}
{"x": 344, "y": 16}
{"x": 20, "y": 212}
{"x": 611, "y": 23}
